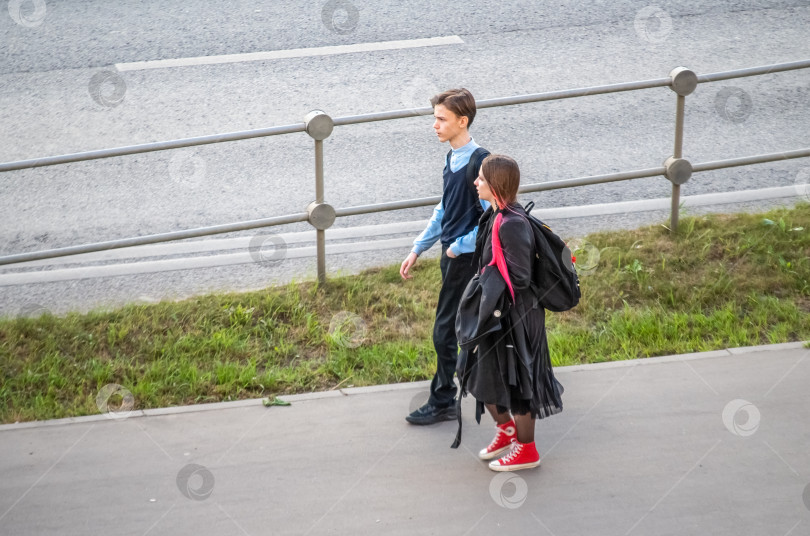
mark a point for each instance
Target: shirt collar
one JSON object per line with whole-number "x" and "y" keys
{"x": 465, "y": 147}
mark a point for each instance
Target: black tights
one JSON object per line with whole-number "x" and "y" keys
{"x": 524, "y": 423}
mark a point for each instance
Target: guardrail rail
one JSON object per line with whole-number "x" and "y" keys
{"x": 319, "y": 126}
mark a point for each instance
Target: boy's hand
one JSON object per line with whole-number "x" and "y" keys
{"x": 450, "y": 253}
{"x": 409, "y": 261}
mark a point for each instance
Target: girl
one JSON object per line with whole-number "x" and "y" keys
{"x": 512, "y": 373}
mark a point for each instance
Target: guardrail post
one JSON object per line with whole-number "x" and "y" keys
{"x": 677, "y": 153}
{"x": 321, "y": 215}
{"x": 679, "y": 170}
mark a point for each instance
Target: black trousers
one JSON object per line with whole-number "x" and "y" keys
{"x": 456, "y": 273}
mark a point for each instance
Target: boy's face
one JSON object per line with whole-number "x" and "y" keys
{"x": 448, "y": 125}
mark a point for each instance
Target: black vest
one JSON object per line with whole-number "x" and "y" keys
{"x": 462, "y": 208}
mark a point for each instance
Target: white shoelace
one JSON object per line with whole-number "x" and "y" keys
{"x": 500, "y": 432}
{"x": 517, "y": 447}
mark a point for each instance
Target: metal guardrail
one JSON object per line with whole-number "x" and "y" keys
{"x": 319, "y": 126}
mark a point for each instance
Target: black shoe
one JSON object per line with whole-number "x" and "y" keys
{"x": 429, "y": 414}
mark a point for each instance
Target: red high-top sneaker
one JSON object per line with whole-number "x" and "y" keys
{"x": 522, "y": 456}
{"x": 502, "y": 442}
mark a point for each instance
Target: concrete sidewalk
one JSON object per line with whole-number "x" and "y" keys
{"x": 715, "y": 443}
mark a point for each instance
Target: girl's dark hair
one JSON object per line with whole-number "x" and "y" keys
{"x": 459, "y": 101}
{"x": 503, "y": 178}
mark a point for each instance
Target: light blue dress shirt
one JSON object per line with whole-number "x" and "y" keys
{"x": 463, "y": 244}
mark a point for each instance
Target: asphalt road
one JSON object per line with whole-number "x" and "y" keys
{"x": 52, "y": 101}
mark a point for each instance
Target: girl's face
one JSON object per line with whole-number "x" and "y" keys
{"x": 481, "y": 185}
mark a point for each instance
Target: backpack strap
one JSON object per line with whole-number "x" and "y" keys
{"x": 474, "y": 165}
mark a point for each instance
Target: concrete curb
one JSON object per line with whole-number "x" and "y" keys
{"x": 375, "y": 389}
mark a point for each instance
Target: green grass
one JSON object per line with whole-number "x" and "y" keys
{"x": 724, "y": 281}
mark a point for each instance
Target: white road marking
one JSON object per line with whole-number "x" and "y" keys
{"x": 191, "y": 263}
{"x": 292, "y": 53}
{"x": 646, "y": 205}
{"x": 214, "y": 245}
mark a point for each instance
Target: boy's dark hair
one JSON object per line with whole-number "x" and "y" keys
{"x": 459, "y": 101}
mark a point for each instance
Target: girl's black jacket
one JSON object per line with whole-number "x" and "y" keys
{"x": 504, "y": 357}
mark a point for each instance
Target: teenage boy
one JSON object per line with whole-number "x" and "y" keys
{"x": 455, "y": 224}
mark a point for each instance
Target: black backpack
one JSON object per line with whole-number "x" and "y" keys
{"x": 554, "y": 276}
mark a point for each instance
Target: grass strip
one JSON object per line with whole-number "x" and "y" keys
{"x": 723, "y": 281}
